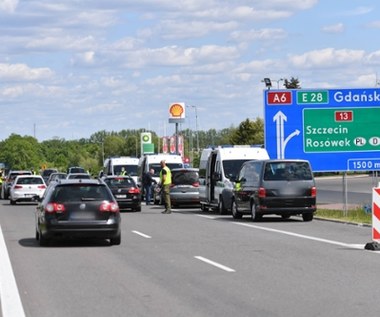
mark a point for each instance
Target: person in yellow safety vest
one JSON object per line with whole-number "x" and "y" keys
{"x": 166, "y": 181}
{"x": 123, "y": 172}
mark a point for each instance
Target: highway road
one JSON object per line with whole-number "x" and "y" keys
{"x": 192, "y": 263}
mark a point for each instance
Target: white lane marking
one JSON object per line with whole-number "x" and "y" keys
{"x": 208, "y": 217}
{"x": 348, "y": 245}
{"x": 11, "y": 305}
{"x": 218, "y": 265}
{"x": 142, "y": 234}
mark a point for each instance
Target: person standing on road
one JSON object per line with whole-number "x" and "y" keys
{"x": 166, "y": 181}
{"x": 148, "y": 181}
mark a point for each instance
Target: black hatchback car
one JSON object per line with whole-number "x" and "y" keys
{"x": 125, "y": 191}
{"x": 280, "y": 187}
{"x": 78, "y": 209}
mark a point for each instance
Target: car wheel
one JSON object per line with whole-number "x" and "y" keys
{"x": 37, "y": 235}
{"x": 235, "y": 213}
{"x": 308, "y": 216}
{"x": 13, "y": 202}
{"x": 116, "y": 241}
{"x": 138, "y": 209}
{"x": 221, "y": 207}
{"x": 285, "y": 216}
{"x": 255, "y": 216}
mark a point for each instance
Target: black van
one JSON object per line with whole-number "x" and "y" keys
{"x": 281, "y": 187}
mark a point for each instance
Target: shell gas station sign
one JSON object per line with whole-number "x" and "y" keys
{"x": 177, "y": 112}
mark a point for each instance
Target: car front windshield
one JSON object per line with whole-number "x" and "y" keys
{"x": 130, "y": 169}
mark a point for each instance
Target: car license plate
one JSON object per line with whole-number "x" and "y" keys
{"x": 121, "y": 196}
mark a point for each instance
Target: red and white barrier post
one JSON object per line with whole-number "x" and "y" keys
{"x": 375, "y": 244}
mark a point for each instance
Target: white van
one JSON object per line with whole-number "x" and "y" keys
{"x": 149, "y": 161}
{"x": 218, "y": 167}
{"x": 114, "y": 166}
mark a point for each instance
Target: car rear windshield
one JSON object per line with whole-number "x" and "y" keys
{"x": 120, "y": 182}
{"x": 80, "y": 192}
{"x": 184, "y": 177}
{"x": 76, "y": 170}
{"x": 30, "y": 181}
{"x": 279, "y": 171}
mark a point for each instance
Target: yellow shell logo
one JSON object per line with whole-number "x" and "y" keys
{"x": 176, "y": 110}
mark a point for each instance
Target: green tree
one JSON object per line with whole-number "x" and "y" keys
{"x": 293, "y": 83}
{"x": 248, "y": 132}
{"x": 21, "y": 152}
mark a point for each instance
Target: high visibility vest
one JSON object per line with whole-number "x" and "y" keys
{"x": 168, "y": 178}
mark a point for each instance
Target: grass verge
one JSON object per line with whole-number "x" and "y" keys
{"x": 357, "y": 215}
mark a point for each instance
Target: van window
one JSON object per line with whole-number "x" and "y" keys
{"x": 130, "y": 169}
{"x": 287, "y": 171}
{"x": 232, "y": 167}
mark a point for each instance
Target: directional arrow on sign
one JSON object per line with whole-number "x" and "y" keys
{"x": 280, "y": 119}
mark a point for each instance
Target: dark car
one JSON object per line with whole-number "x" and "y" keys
{"x": 47, "y": 172}
{"x": 280, "y": 187}
{"x": 125, "y": 191}
{"x": 78, "y": 209}
{"x": 75, "y": 169}
{"x": 185, "y": 186}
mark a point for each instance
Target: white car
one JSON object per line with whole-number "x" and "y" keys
{"x": 26, "y": 187}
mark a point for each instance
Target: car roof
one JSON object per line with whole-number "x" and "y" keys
{"x": 79, "y": 181}
{"x": 277, "y": 161}
{"x": 20, "y": 171}
{"x": 117, "y": 176}
{"x": 185, "y": 169}
{"x": 29, "y": 176}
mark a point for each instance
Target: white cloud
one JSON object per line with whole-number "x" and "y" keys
{"x": 374, "y": 24}
{"x": 335, "y": 28}
{"x": 8, "y": 5}
{"x": 22, "y": 72}
{"x": 261, "y": 34}
{"x": 326, "y": 58}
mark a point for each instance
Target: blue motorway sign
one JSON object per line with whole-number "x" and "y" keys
{"x": 336, "y": 130}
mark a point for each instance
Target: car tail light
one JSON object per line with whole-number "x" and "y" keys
{"x": 18, "y": 187}
{"x": 107, "y": 206}
{"x": 41, "y": 186}
{"x": 314, "y": 191}
{"x": 52, "y": 208}
{"x": 262, "y": 192}
{"x": 134, "y": 190}
{"x": 196, "y": 184}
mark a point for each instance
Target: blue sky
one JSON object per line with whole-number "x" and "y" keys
{"x": 71, "y": 68}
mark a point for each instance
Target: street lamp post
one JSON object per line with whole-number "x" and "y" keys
{"x": 196, "y": 125}
{"x": 278, "y": 82}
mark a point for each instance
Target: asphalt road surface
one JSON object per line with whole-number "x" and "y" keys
{"x": 192, "y": 263}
